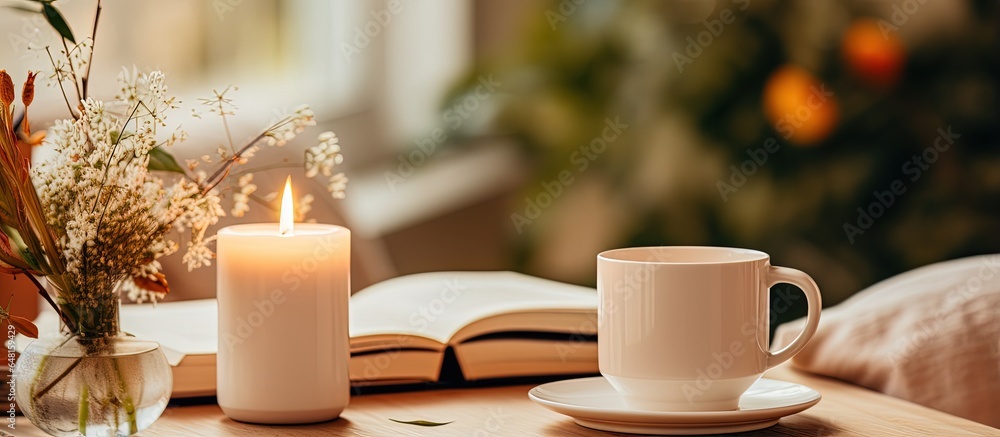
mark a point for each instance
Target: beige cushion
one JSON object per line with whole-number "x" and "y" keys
{"x": 930, "y": 336}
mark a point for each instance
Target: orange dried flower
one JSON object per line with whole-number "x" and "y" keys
{"x": 6, "y": 89}
{"x": 28, "y": 92}
{"x": 157, "y": 283}
{"x": 27, "y": 96}
{"x": 23, "y": 326}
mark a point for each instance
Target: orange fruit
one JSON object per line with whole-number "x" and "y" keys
{"x": 873, "y": 54}
{"x": 801, "y": 108}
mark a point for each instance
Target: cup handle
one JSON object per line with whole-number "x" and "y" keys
{"x": 786, "y": 275}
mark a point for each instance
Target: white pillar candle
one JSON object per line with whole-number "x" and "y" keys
{"x": 283, "y": 329}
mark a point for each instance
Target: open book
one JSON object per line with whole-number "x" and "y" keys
{"x": 497, "y": 324}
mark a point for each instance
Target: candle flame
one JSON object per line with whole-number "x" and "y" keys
{"x": 287, "y": 222}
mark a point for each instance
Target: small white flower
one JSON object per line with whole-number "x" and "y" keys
{"x": 248, "y": 154}
{"x": 323, "y": 157}
{"x": 286, "y": 127}
{"x": 199, "y": 254}
{"x": 241, "y": 204}
{"x": 219, "y": 104}
{"x": 241, "y": 199}
{"x": 303, "y": 207}
{"x": 337, "y": 186}
{"x": 245, "y": 181}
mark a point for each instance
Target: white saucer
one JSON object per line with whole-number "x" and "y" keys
{"x": 593, "y": 403}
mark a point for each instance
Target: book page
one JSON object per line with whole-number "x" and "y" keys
{"x": 437, "y": 305}
{"x": 184, "y": 328}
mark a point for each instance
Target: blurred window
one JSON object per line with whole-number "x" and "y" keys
{"x": 284, "y": 51}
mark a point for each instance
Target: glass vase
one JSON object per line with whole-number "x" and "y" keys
{"x": 70, "y": 385}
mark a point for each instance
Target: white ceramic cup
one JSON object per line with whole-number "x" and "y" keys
{"x": 686, "y": 328}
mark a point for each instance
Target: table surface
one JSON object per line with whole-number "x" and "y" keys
{"x": 845, "y": 410}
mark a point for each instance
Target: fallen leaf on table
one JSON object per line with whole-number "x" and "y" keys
{"x": 421, "y": 422}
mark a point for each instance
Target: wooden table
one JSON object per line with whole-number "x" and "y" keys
{"x": 846, "y": 410}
